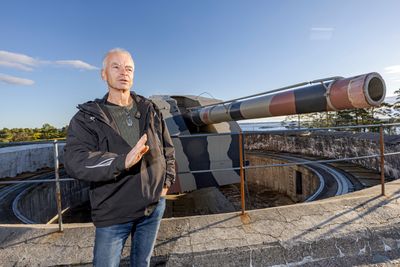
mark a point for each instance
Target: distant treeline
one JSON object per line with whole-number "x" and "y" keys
{"x": 47, "y": 132}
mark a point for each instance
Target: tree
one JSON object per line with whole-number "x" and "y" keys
{"x": 20, "y": 135}
{"x": 64, "y": 131}
{"x": 343, "y": 117}
{"x": 396, "y": 105}
{"x": 49, "y": 132}
{"x": 386, "y": 110}
{"x": 27, "y": 134}
{"x": 5, "y": 135}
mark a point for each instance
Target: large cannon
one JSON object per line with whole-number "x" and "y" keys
{"x": 197, "y": 123}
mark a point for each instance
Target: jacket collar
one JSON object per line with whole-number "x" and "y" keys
{"x": 98, "y": 109}
{"x": 134, "y": 96}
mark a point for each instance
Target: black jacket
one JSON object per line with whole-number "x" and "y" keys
{"x": 96, "y": 152}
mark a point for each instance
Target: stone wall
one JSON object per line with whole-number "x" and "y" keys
{"x": 332, "y": 145}
{"x": 281, "y": 179}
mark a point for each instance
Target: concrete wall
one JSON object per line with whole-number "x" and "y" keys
{"x": 281, "y": 179}
{"x": 27, "y": 158}
{"x": 38, "y": 203}
{"x": 19, "y": 159}
{"x": 332, "y": 145}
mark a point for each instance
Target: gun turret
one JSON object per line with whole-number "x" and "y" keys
{"x": 205, "y": 157}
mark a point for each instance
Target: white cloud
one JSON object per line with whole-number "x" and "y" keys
{"x": 19, "y": 58}
{"x": 393, "y": 69}
{"x": 18, "y": 61}
{"x": 27, "y": 63}
{"x": 321, "y": 33}
{"x": 78, "y": 64}
{"x": 15, "y": 80}
{"x": 15, "y": 65}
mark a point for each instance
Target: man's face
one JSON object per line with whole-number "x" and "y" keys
{"x": 118, "y": 72}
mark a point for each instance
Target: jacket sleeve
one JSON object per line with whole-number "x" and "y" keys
{"x": 83, "y": 161}
{"x": 169, "y": 154}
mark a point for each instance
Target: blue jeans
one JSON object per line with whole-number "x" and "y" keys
{"x": 110, "y": 240}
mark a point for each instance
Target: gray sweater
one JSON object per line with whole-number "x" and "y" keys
{"x": 127, "y": 123}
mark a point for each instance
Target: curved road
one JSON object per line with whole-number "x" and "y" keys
{"x": 332, "y": 181}
{"x": 9, "y": 192}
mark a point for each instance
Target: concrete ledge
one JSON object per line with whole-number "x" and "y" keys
{"x": 354, "y": 229}
{"x": 359, "y": 248}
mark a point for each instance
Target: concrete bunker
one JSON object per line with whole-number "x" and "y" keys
{"x": 37, "y": 205}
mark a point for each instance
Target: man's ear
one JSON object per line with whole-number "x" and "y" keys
{"x": 103, "y": 75}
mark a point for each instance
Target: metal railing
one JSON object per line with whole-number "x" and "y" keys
{"x": 241, "y": 168}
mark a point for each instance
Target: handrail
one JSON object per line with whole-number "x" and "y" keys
{"x": 290, "y": 130}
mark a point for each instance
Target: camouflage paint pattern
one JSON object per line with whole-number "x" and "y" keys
{"x": 197, "y": 151}
{"x": 197, "y": 132}
{"x": 356, "y": 92}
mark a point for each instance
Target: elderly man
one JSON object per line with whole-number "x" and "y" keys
{"x": 121, "y": 145}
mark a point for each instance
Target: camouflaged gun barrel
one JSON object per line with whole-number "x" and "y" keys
{"x": 363, "y": 91}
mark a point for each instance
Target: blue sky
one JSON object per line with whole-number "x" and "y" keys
{"x": 51, "y": 51}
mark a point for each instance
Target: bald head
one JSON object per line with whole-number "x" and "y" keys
{"x": 118, "y": 69}
{"x": 112, "y": 51}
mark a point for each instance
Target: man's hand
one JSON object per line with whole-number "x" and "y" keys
{"x": 164, "y": 191}
{"x": 137, "y": 152}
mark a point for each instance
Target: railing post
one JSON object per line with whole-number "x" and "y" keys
{"x": 242, "y": 194}
{"x": 298, "y": 121}
{"x": 58, "y": 190}
{"x": 382, "y": 159}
